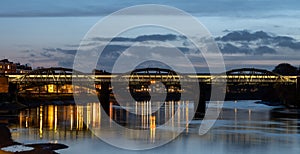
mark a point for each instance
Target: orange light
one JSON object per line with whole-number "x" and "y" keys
{"x": 50, "y": 88}
{"x": 152, "y": 122}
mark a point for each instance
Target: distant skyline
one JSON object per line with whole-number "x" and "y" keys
{"x": 40, "y": 33}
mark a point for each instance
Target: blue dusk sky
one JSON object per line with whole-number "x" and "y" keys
{"x": 250, "y": 33}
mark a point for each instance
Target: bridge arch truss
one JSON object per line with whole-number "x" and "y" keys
{"x": 49, "y": 80}
{"x": 253, "y": 75}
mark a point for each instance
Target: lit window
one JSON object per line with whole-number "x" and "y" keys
{"x": 8, "y": 67}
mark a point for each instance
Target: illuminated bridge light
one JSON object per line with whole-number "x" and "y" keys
{"x": 59, "y": 80}
{"x": 152, "y": 81}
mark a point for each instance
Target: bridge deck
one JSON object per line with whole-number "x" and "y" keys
{"x": 107, "y": 78}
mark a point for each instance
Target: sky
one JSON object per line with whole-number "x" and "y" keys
{"x": 250, "y": 33}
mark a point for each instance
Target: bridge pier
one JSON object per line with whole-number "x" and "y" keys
{"x": 298, "y": 92}
{"x": 104, "y": 96}
{"x": 13, "y": 92}
{"x": 201, "y": 108}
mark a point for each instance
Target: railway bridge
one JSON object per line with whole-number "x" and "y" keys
{"x": 243, "y": 83}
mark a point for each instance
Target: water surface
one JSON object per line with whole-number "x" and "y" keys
{"x": 242, "y": 127}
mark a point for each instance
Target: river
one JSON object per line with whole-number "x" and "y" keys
{"x": 241, "y": 127}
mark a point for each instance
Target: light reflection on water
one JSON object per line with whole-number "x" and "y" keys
{"x": 242, "y": 127}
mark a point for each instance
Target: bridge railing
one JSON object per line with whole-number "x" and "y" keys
{"x": 201, "y": 78}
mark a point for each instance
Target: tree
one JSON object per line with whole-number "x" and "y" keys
{"x": 285, "y": 69}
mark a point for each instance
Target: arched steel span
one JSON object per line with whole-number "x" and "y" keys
{"x": 254, "y": 75}
{"x": 147, "y": 76}
{"x": 49, "y": 74}
{"x": 45, "y": 76}
{"x": 250, "y": 71}
{"x": 161, "y": 74}
{"x": 153, "y": 70}
{"x": 141, "y": 79}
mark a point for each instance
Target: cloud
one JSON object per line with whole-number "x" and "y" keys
{"x": 112, "y": 52}
{"x": 235, "y": 45}
{"x": 65, "y": 51}
{"x": 290, "y": 44}
{"x": 264, "y": 50}
{"x": 157, "y": 37}
{"x": 229, "y": 48}
{"x": 142, "y": 38}
{"x": 255, "y": 43}
{"x": 50, "y": 57}
{"x": 32, "y": 55}
{"x": 47, "y": 54}
{"x": 244, "y": 36}
{"x": 244, "y": 41}
{"x": 234, "y": 42}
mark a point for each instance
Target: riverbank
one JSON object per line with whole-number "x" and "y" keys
{"x": 8, "y": 145}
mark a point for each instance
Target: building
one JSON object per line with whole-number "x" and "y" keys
{"x": 23, "y": 69}
{"x": 8, "y": 67}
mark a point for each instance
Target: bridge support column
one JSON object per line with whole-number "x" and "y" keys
{"x": 104, "y": 96}
{"x": 201, "y": 108}
{"x": 298, "y": 92}
{"x": 12, "y": 91}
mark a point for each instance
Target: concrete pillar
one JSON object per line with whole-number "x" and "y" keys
{"x": 12, "y": 90}
{"x": 298, "y": 84}
{"x": 298, "y": 92}
{"x": 201, "y": 108}
{"x": 104, "y": 96}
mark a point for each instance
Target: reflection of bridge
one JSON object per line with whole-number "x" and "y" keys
{"x": 252, "y": 82}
